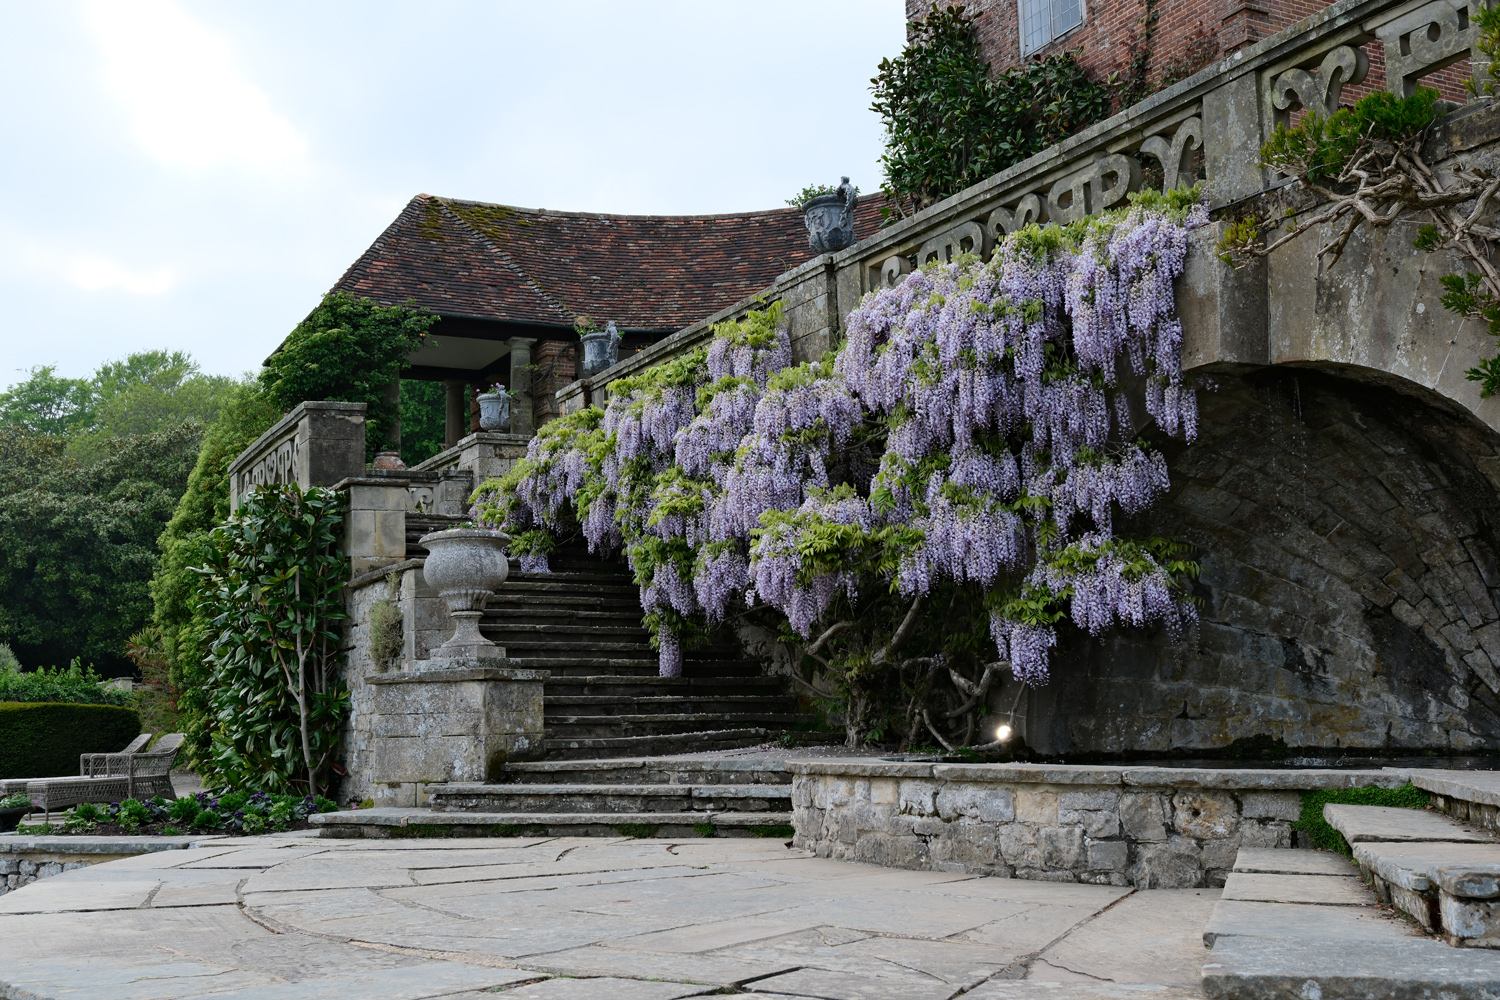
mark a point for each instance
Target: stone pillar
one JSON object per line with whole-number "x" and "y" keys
{"x": 1232, "y": 132}
{"x": 375, "y": 527}
{"x": 453, "y": 411}
{"x": 522, "y": 420}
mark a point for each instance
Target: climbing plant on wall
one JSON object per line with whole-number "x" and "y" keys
{"x": 920, "y": 509}
{"x": 272, "y": 597}
{"x": 1364, "y": 166}
{"x": 950, "y": 124}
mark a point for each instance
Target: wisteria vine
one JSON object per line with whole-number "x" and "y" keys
{"x": 969, "y": 445}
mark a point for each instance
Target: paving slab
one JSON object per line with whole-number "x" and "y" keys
{"x": 1001, "y": 989}
{"x": 1361, "y": 824}
{"x": 1254, "y": 968}
{"x": 1248, "y": 918}
{"x": 1150, "y": 937}
{"x": 1333, "y": 890}
{"x": 1471, "y": 786}
{"x": 603, "y": 988}
{"x": 1280, "y": 861}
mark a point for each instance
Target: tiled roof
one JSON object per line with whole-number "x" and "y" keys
{"x": 645, "y": 272}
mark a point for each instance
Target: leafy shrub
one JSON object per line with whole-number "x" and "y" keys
{"x": 1325, "y": 837}
{"x": 272, "y": 595}
{"x": 351, "y": 349}
{"x": 41, "y": 740}
{"x": 74, "y": 685}
{"x": 950, "y": 124}
{"x": 15, "y": 802}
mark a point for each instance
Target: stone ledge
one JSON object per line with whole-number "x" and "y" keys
{"x": 1255, "y": 967}
{"x": 1253, "y": 779}
{"x": 1482, "y": 787}
{"x": 122, "y": 846}
{"x": 461, "y": 670}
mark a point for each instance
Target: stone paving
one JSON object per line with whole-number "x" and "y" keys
{"x": 577, "y": 919}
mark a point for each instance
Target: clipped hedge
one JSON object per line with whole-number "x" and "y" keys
{"x": 43, "y": 740}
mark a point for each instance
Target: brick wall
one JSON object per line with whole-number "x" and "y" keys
{"x": 1348, "y": 537}
{"x": 1189, "y": 33}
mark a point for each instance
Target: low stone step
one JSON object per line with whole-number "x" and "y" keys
{"x": 587, "y": 633}
{"x": 562, "y": 598}
{"x": 1341, "y": 968}
{"x": 381, "y": 823}
{"x": 567, "y": 727}
{"x": 656, "y": 770}
{"x": 604, "y": 799}
{"x": 615, "y": 687}
{"x": 516, "y": 585}
{"x": 1362, "y": 824}
{"x": 543, "y": 614}
{"x": 1451, "y": 889}
{"x": 615, "y": 746}
{"x": 540, "y": 647}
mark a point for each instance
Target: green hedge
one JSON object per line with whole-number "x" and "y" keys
{"x": 43, "y": 740}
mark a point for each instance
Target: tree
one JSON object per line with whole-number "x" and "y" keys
{"x": 147, "y": 391}
{"x": 351, "y": 349}
{"x": 182, "y": 633}
{"x": 423, "y": 420}
{"x": 78, "y": 542}
{"x": 949, "y": 124}
{"x": 46, "y": 403}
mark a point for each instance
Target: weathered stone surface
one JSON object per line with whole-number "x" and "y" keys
{"x": 1345, "y": 890}
{"x": 1331, "y": 924}
{"x": 1286, "y": 862}
{"x": 1414, "y": 969}
{"x": 1204, "y": 815}
{"x": 1361, "y": 824}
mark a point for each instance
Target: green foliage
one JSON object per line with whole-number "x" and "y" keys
{"x": 1325, "y": 837}
{"x": 950, "y": 124}
{"x": 640, "y": 831}
{"x": 386, "y": 627}
{"x": 1320, "y": 146}
{"x": 351, "y": 349}
{"x": 1488, "y": 44}
{"x": 46, "y": 403}
{"x": 1467, "y": 295}
{"x": 145, "y": 393}
{"x": 778, "y": 831}
{"x": 155, "y": 697}
{"x": 17, "y": 801}
{"x": 812, "y": 191}
{"x": 423, "y": 420}
{"x": 180, "y": 632}
{"x": 43, "y": 740}
{"x": 272, "y": 595}
{"x": 75, "y": 685}
{"x": 80, "y": 542}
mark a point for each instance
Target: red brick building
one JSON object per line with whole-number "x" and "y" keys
{"x": 1187, "y": 35}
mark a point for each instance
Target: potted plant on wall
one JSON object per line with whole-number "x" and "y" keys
{"x": 494, "y": 408}
{"x": 601, "y": 348}
{"x": 828, "y": 213}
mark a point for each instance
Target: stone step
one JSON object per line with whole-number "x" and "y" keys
{"x": 654, "y": 770}
{"x": 570, "y": 727}
{"x": 504, "y": 599}
{"x": 1331, "y": 967}
{"x": 538, "y": 584}
{"x": 613, "y": 705}
{"x": 1362, "y": 824}
{"x": 614, "y": 746}
{"x": 548, "y": 614}
{"x": 606, "y": 799}
{"x": 427, "y": 823}
{"x": 532, "y": 646}
{"x": 615, "y": 688}
{"x": 580, "y": 667}
{"x": 586, "y": 633}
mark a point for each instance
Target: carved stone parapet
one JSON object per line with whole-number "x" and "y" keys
{"x": 1425, "y": 40}
{"x": 318, "y": 443}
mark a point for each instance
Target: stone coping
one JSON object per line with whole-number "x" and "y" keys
{"x": 445, "y": 459}
{"x": 379, "y": 574}
{"x": 281, "y": 426}
{"x": 1471, "y": 786}
{"x": 17, "y": 844}
{"x": 1070, "y": 774}
{"x": 455, "y": 671}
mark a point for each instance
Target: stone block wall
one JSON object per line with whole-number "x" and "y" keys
{"x": 1152, "y": 828}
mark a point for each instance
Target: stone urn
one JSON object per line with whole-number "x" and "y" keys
{"x": 830, "y": 219}
{"x": 601, "y": 349}
{"x": 494, "y": 411}
{"x": 465, "y": 566}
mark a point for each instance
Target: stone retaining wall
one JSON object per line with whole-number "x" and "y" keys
{"x": 1152, "y": 828}
{"x": 24, "y": 859}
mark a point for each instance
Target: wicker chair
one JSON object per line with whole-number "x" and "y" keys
{"x": 125, "y": 776}
{"x": 18, "y": 786}
{"x": 98, "y": 765}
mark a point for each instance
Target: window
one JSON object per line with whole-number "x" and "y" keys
{"x": 1044, "y": 20}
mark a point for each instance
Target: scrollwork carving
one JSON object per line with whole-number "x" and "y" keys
{"x": 1320, "y": 89}
{"x": 967, "y": 237}
{"x": 1176, "y": 168}
{"x": 1101, "y": 184}
{"x": 1004, "y": 221}
{"x": 1425, "y": 40}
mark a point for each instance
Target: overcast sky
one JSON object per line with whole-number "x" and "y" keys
{"x": 194, "y": 175}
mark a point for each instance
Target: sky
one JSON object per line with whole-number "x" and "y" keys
{"x": 194, "y": 175}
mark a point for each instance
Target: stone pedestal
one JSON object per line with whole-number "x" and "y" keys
{"x": 451, "y": 720}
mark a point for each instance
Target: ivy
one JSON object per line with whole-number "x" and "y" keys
{"x": 272, "y": 595}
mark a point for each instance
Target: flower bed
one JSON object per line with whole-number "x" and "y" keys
{"x": 233, "y": 813}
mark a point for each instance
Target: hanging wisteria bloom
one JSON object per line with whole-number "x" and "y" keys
{"x": 973, "y": 429}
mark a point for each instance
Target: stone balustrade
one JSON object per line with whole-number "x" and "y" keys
{"x": 318, "y": 443}
{"x": 1207, "y": 127}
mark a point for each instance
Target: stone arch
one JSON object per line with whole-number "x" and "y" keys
{"x": 1348, "y": 524}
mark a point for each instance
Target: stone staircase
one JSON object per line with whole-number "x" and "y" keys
{"x": 582, "y": 622}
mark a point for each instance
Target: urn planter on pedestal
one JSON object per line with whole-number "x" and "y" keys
{"x": 830, "y": 219}
{"x": 494, "y": 411}
{"x": 465, "y": 566}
